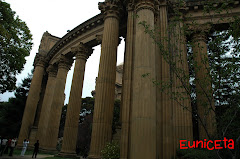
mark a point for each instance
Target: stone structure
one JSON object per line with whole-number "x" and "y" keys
{"x": 118, "y": 83}
{"x": 152, "y": 122}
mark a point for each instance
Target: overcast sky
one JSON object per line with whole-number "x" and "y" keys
{"x": 56, "y": 17}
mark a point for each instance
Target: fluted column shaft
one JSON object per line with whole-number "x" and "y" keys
{"x": 143, "y": 114}
{"x": 57, "y": 104}
{"x": 34, "y": 128}
{"x": 75, "y": 103}
{"x": 127, "y": 81}
{"x": 187, "y": 113}
{"x": 182, "y": 112}
{"x": 203, "y": 86}
{"x": 164, "y": 107}
{"x": 105, "y": 86}
{"x": 32, "y": 100}
{"x": 46, "y": 106}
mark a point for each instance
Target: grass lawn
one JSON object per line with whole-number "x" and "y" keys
{"x": 18, "y": 152}
{"x": 30, "y": 152}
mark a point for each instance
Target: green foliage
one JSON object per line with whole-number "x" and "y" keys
{"x": 62, "y": 123}
{"x": 87, "y": 108}
{"x": 15, "y": 45}
{"x": 111, "y": 151}
{"x": 17, "y": 152}
{"x": 11, "y": 112}
{"x": 116, "y": 116}
{"x": 85, "y": 124}
{"x": 196, "y": 154}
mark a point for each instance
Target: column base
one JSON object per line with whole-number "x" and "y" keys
{"x": 67, "y": 155}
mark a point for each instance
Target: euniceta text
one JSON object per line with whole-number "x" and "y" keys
{"x": 210, "y": 144}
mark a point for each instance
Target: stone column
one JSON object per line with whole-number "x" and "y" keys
{"x": 182, "y": 116}
{"x": 75, "y": 102}
{"x": 127, "y": 82}
{"x": 105, "y": 86}
{"x": 51, "y": 137}
{"x": 34, "y": 128}
{"x": 205, "y": 100}
{"x": 143, "y": 138}
{"x": 46, "y": 106}
{"x": 33, "y": 98}
{"x": 163, "y": 74}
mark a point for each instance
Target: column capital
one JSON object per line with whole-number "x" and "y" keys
{"x": 110, "y": 8}
{"x": 40, "y": 60}
{"x": 199, "y": 32}
{"x": 52, "y": 71}
{"x": 65, "y": 62}
{"x": 146, "y": 4}
{"x": 82, "y": 51}
{"x": 200, "y": 36}
{"x": 130, "y": 6}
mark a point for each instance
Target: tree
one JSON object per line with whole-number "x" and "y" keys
{"x": 85, "y": 124}
{"x": 15, "y": 45}
{"x": 11, "y": 112}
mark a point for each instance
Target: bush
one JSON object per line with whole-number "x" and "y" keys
{"x": 111, "y": 151}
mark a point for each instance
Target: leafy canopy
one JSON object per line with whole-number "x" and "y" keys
{"x": 15, "y": 45}
{"x": 11, "y": 112}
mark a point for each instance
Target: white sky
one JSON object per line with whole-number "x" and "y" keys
{"x": 56, "y": 17}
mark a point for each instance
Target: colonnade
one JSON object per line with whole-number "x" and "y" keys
{"x": 53, "y": 101}
{"x": 152, "y": 122}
